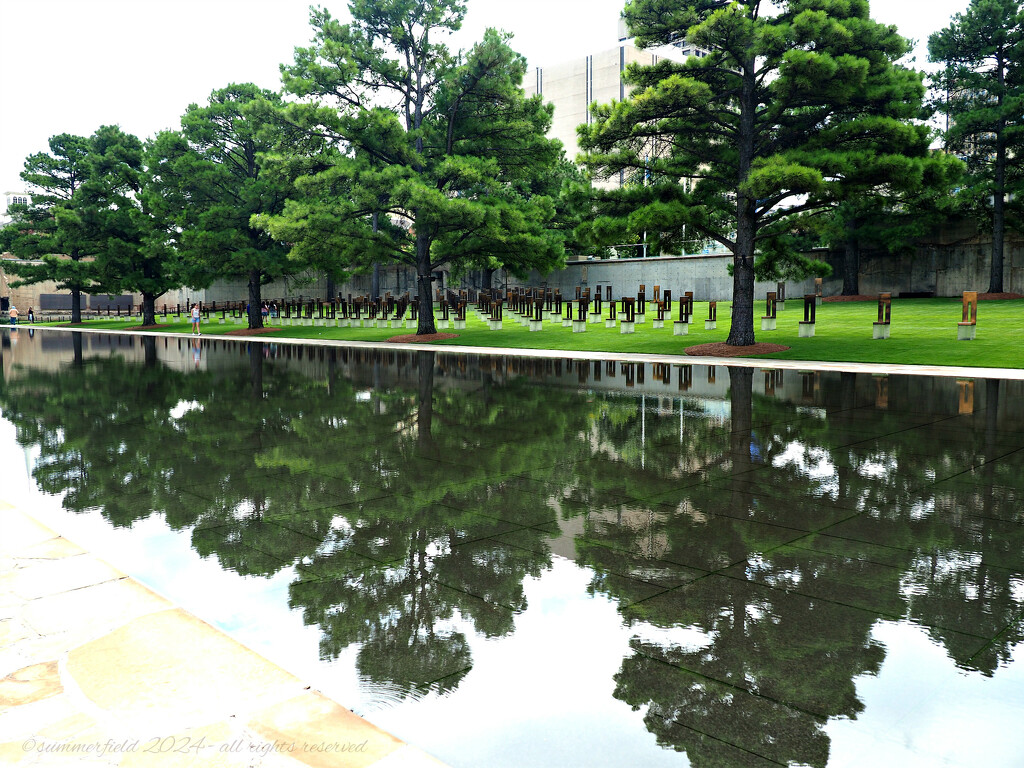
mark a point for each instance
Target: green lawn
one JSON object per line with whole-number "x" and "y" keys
{"x": 923, "y": 332}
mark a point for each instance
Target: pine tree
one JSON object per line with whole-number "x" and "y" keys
{"x": 48, "y": 232}
{"x": 982, "y": 92}
{"x": 211, "y": 181}
{"x": 432, "y": 158}
{"x": 793, "y": 99}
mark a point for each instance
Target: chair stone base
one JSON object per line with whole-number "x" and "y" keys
{"x": 494, "y": 325}
{"x": 443, "y": 324}
{"x": 965, "y": 331}
{"x": 536, "y": 325}
{"x": 806, "y": 330}
{"x": 679, "y": 328}
{"x": 657, "y": 323}
{"x": 881, "y": 331}
{"x": 768, "y": 323}
{"x": 609, "y": 323}
{"x": 459, "y": 325}
{"x": 780, "y": 306}
{"x": 579, "y": 326}
{"x": 710, "y": 325}
{"x": 627, "y": 327}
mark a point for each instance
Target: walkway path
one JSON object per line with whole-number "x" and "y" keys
{"x": 99, "y": 670}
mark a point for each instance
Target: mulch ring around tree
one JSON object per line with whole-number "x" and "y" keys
{"x": 981, "y": 297}
{"x": 409, "y": 338}
{"x": 721, "y": 349}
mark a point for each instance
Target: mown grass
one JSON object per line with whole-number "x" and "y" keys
{"x": 923, "y": 332}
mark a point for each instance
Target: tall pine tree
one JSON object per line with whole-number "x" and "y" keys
{"x": 48, "y": 233}
{"x": 211, "y": 180}
{"x": 981, "y": 89}
{"x": 793, "y": 98}
{"x": 130, "y": 238}
{"x": 434, "y": 157}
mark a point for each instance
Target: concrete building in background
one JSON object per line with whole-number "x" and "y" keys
{"x": 573, "y": 86}
{"x": 9, "y": 199}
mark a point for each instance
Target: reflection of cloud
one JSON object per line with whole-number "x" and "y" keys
{"x": 17, "y": 465}
{"x": 184, "y": 407}
{"x": 554, "y": 676}
{"x": 921, "y": 710}
{"x": 252, "y": 610}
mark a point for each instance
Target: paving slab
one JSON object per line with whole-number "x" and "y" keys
{"x": 96, "y": 669}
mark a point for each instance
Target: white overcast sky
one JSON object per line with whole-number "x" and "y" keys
{"x": 69, "y": 66}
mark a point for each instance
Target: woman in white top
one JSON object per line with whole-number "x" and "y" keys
{"x": 195, "y": 319}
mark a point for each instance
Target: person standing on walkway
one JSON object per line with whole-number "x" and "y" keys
{"x": 13, "y": 314}
{"x": 195, "y": 319}
{"x": 31, "y": 315}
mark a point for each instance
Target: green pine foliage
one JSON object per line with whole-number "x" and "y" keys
{"x": 981, "y": 91}
{"x": 795, "y": 101}
{"x": 48, "y": 233}
{"x": 129, "y": 239}
{"x": 414, "y": 154}
{"x": 211, "y": 181}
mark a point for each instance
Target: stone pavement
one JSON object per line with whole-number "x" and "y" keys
{"x": 99, "y": 670}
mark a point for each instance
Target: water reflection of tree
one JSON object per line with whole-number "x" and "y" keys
{"x": 412, "y": 512}
{"x": 389, "y": 506}
{"x": 787, "y": 628}
{"x": 397, "y": 572}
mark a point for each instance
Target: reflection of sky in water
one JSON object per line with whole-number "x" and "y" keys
{"x": 544, "y": 693}
{"x": 923, "y": 711}
{"x": 559, "y": 661}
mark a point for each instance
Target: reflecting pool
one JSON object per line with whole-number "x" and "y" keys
{"x": 508, "y": 561}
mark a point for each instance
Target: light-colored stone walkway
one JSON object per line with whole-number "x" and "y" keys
{"x": 96, "y": 669}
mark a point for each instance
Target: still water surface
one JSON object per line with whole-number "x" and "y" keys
{"x": 561, "y": 562}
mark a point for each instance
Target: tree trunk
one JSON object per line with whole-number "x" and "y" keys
{"x": 740, "y": 423}
{"x": 425, "y": 412}
{"x": 76, "y": 344}
{"x": 255, "y": 299}
{"x": 331, "y": 289}
{"x": 256, "y": 369}
{"x": 851, "y": 265}
{"x": 741, "y": 391}
{"x": 375, "y": 282}
{"x": 488, "y": 277}
{"x": 148, "y": 309}
{"x": 995, "y": 284}
{"x": 424, "y": 290}
{"x": 741, "y": 331}
{"x": 76, "y": 305}
{"x": 149, "y": 351}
